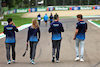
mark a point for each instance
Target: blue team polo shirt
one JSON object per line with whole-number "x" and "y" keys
{"x": 32, "y": 34}
{"x": 56, "y": 28}
{"x": 9, "y": 30}
{"x": 82, "y": 26}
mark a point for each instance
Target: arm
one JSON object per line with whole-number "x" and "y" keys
{"x": 86, "y": 27}
{"x": 62, "y": 29}
{"x": 76, "y": 32}
{"x": 15, "y": 27}
{"x": 4, "y": 30}
{"x": 39, "y": 34}
{"x": 50, "y": 29}
{"x": 28, "y": 35}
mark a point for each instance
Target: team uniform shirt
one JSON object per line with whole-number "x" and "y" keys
{"x": 39, "y": 17}
{"x": 51, "y": 18}
{"x": 56, "y": 28}
{"x": 82, "y": 26}
{"x": 32, "y": 34}
{"x": 46, "y": 18}
{"x": 9, "y": 30}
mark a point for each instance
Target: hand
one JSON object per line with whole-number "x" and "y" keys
{"x": 13, "y": 24}
{"x": 27, "y": 43}
{"x": 74, "y": 38}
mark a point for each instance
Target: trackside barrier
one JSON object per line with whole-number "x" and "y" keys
{"x": 51, "y": 8}
{"x": 61, "y": 8}
{"x": 86, "y": 8}
{"x": 39, "y": 9}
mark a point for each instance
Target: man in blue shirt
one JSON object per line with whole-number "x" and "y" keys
{"x": 81, "y": 28}
{"x": 9, "y": 31}
{"x": 46, "y": 19}
{"x": 56, "y": 28}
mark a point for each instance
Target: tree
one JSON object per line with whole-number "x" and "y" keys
{"x": 10, "y": 3}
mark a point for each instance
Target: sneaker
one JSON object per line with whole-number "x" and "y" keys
{"x": 57, "y": 61}
{"x": 13, "y": 61}
{"x": 77, "y": 59}
{"x": 53, "y": 60}
{"x": 81, "y": 60}
{"x": 9, "y": 62}
{"x": 33, "y": 62}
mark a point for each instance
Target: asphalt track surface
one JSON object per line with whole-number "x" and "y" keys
{"x": 44, "y": 48}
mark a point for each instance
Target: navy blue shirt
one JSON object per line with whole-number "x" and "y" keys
{"x": 9, "y": 30}
{"x": 56, "y": 28}
{"x": 51, "y": 18}
{"x": 32, "y": 34}
{"x": 82, "y": 26}
{"x": 39, "y": 17}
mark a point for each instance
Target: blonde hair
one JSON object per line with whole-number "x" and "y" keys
{"x": 35, "y": 24}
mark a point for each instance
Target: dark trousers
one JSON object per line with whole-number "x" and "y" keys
{"x": 33, "y": 49}
{"x": 56, "y": 45}
{"x": 50, "y": 22}
{"x": 8, "y": 51}
{"x": 39, "y": 21}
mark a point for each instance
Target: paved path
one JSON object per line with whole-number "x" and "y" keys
{"x": 44, "y": 48}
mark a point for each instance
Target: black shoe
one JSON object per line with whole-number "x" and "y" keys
{"x": 53, "y": 60}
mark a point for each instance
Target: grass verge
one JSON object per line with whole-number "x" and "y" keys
{"x": 97, "y": 21}
{"x": 17, "y": 19}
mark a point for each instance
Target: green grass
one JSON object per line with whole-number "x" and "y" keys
{"x": 97, "y": 21}
{"x": 17, "y": 19}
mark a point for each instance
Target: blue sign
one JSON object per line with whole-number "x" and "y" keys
{"x": 97, "y": 7}
{"x": 51, "y": 8}
{"x": 75, "y": 8}
{"x": 33, "y": 9}
{"x": 15, "y": 11}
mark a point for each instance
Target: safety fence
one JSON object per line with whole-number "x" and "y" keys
{"x": 51, "y": 8}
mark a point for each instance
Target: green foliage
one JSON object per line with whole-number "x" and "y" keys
{"x": 10, "y": 3}
{"x": 69, "y": 2}
{"x": 18, "y": 1}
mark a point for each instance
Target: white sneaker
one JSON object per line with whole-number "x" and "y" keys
{"x": 33, "y": 62}
{"x": 57, "y": 61}
{"x": 77, "y": 59}
{"x": 81, "y": 60}
{"x": 9, "y": 62}
{"x": 13, "y": 61}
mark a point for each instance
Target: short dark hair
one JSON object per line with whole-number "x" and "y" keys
{"x": 80, "y": 16}
{"x": 56, "y": 16}
{"x": 9, "y": 20}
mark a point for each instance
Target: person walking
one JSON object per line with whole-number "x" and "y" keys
{"x": 51, "y": 18}
{"x": 9, "y": 31}
{"x": 79, "y": 36}
{"x": 46, "y": 19}
{"x": 56, "y": 14}
{"x": 56, "y": 28}
{"x": 33, "y": 37}
{"x": 39, "y": 19}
